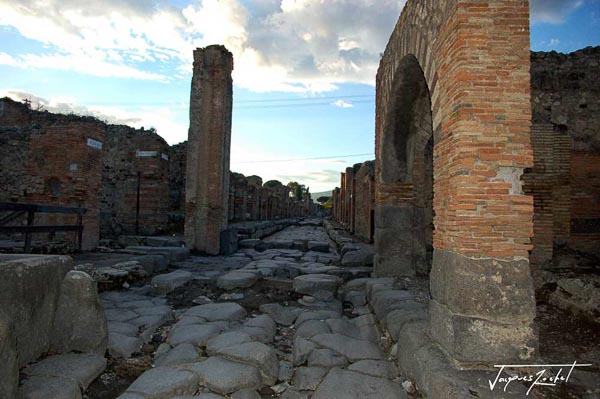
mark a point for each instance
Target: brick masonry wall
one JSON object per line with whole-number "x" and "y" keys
{"x": 127, "y": 152}
{"x": 364, "y": 203}
{"x": 37, "y": 168}
{"x": 565, "y": 93}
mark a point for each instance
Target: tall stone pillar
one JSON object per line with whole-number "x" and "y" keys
{"x": 209, "y": 144}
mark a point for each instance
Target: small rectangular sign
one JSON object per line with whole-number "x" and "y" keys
{"x": 164, "y": 156}
{"x": 94, "y": 144}
{"x": 147, "y": 154}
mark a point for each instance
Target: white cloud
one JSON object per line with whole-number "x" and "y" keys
{"x": 287, "y": 45}
{"x": 552, "y": 11}
{"x": 342, "y": 104}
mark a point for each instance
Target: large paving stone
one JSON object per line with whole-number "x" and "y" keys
{"x": 123, "y": 346}
{"x": 351, "y": 385}
{"x": 385, "y": 301}
{"x": 310, "y": 283}
{"x": 310, "y": 328}
{"x": 218, "y": 311}
{"x": 48, "y": 388}
{"x": 264, "y": 322}
{"x": 225, "y": 376}
{"x": 83, "y": 368}
{"x": 376, "y": 368}
{"x": 196, "y": 334}
{"x": 165, "y": 283}
{"x": 165, "y": 382}
{"x": 316, "y": 315}
{"x": 226, "y": 340}
{"x": 184, "y": 353}
{"x": 257, "y": 354}
{"x": 308, "y": 378}
{"x": 237, "y": 279}
{"x": 362, "y": 257}
{"x": 353, "y": 349}
{"x": 123, "y": 328}
{"x": 79, "y": 323}
{"x": 121, "y": 315}
{"x": 283, "y": 315}
{"x": 319, "y": 246}
{"x": 301, "y": 350}
{"x": 326, "y": 358}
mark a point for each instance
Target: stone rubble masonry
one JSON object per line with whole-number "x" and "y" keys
{"x": 209, "y": 142}
{"x": 38, "y": 169}
{"x": 127, "y": 152}
{"x": 566, "y": 144}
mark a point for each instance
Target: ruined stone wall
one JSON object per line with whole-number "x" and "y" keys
{"x": 565, "y": 179}
{"x": 52, "y": 159}
{"x": 364, "y": 201}
{"x": 132, "y": 156}
{"x": 177, "y": 165}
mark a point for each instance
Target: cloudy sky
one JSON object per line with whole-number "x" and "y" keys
{"x": 304, "y": 69}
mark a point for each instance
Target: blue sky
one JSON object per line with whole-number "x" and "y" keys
{"x": 303, "y": 78}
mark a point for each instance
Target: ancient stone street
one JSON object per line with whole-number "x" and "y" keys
{"x": 275, "y": 318}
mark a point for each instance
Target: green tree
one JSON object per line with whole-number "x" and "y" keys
{"x": 323, "y": 199}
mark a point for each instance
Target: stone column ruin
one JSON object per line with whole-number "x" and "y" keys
{"x": 209, "y": 138}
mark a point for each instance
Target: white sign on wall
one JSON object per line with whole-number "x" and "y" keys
{"x": 164, "y": 156}
{"x": 94, "y": 144}
{"x": 141, "y": 154}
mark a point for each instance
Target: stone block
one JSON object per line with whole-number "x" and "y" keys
{"x": 473, "y": 340}
{"x": 29, "y": 292}
{"x": 79, "y": 324}
{"x": 229, "y": 241}
{"x": 9, "y": 368}
{"x": 504, "y": 289}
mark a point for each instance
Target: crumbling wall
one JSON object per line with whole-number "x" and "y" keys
{"x": 565, "y": 180}
{"x": 52, "y": 159}
{"x": 132, "y": 156}
{"x": 364, "y": 201}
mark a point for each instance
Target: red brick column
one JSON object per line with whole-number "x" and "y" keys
{"x": 474, "y": 57}
{"x": 207, "y": 175}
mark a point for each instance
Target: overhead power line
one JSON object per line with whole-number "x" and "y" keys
{"x": 305, "y": 159}
{"x": 305, "y": 99}
{"x": 298, "y": 105}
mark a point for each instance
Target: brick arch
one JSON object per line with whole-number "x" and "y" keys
{"x": 403, "y": 213}
{"x": 474, "y": 58}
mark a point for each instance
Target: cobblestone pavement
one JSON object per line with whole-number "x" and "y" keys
{"x": 315, "y": 339}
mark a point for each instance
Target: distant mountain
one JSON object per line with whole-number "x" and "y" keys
{"x": 314, "y": 196}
